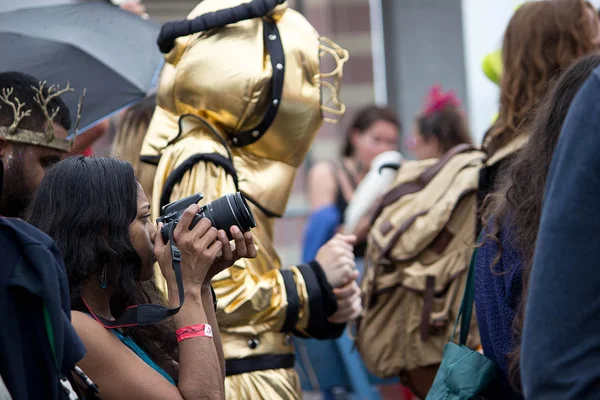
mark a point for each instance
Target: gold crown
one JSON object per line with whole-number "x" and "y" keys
{"x": 46, "y": 138}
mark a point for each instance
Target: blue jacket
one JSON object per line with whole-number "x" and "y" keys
{"x": 561, "y": 338}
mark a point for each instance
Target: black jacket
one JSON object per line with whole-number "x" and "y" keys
{"x": 37, "y": 340}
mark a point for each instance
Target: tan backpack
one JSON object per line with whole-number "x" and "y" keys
{"x": 419, "y": 249}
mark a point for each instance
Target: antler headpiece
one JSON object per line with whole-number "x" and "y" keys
{"x": 44, "y": 138}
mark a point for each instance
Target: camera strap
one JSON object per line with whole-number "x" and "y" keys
{"x": 148, "y": 314}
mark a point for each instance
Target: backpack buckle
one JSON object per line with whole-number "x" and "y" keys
{"x": 387, "y": 265}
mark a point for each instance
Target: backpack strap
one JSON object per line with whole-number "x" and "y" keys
{"x": 436, "y": 246}
{"x": 349, "y": 175}
{"x": 423, "y": 180}
{"x": 336, "y": 174}
{"x": 466, "y": 306}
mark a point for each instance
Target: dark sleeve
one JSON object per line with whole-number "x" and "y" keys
{"x": 26, "y": 362}
{"x": 561, "y": 338}
{"x": 322, "y": 303}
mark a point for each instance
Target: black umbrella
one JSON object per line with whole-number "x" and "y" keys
{"x": 91, "y": 44}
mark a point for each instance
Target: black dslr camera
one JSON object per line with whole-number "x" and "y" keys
{"x": 223, "y": 213}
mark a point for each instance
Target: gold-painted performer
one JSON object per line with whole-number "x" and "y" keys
{"x": 238, "y": 107}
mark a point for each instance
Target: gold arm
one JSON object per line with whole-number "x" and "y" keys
{"x": 252, "y": 293}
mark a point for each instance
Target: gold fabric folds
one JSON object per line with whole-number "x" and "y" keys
{"x": 252, "y": 296}
{"x": 272, "y": 384}
{"x": 223, "y": 77}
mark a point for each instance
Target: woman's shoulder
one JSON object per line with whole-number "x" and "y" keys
{"x": 101, "y": 344}
{"x": 81, "y": 318}
{"x": 323, "y": 169}
{"x": 322, "y": 184}
{"x": 89, "y": 330}
{"x": 117, "y": 368}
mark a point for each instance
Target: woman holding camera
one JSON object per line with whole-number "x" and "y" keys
{"x": 99, "y": 217}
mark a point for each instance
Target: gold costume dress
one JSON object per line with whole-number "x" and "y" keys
{"x": 238, "y": 107}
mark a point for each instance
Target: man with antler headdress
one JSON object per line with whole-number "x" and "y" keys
{"x": 34, "y": 125}
{"x": 38, "y": 343}
{"x": 239, "y": 105}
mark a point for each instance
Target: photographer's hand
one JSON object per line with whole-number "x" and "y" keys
{"x": 201, "y": 359}
{"x": 244, "y": 247}
{"x": 199, "y": 249}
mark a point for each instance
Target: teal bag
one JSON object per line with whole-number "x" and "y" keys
{"x": 464, "y": 373}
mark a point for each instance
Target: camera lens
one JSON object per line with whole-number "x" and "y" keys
{"x": 226, "y": 212}
{"x": 245, "y": 215}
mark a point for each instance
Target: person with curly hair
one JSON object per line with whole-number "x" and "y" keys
{"x": 512, "y": 213}
{"x": 542, "y": 40}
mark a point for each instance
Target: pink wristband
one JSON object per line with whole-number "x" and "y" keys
{"x": 188, "y": 332}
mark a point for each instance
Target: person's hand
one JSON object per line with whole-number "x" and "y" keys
{"x": 199, "y": 248}
{"x": 243, "y": 247}
{"x": 348, "y": 300}
{"x": 336, "y": 258}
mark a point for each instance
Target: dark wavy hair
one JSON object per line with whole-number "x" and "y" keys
{"x": 87, "y": 204}
{"x": 517, "y": 204}
{"x": 363, "y": 120}
{"x": 542, "y": 39}
{"x": 448, "y": 125}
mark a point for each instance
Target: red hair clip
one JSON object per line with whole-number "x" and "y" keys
{"x": 436, "y": 100}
